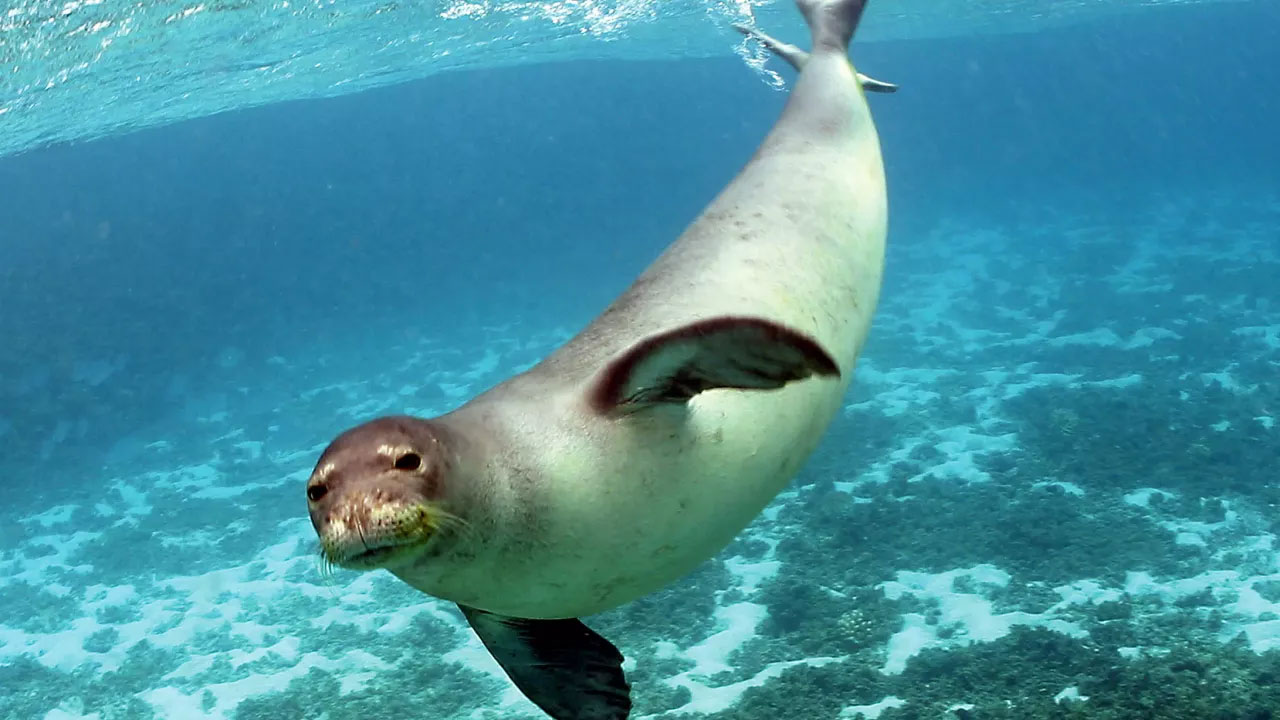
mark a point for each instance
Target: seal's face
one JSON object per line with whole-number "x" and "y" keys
{"x": 377, "y": 494}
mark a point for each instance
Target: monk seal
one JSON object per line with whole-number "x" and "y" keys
{"x": 642, "y": 446}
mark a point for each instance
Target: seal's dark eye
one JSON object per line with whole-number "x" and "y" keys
{"x": 315, "y": 492}
{"x": 408, "y": 461}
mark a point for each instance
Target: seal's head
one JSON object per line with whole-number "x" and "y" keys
{"x": 379, "y": 492}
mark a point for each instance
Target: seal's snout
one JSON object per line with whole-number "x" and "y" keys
{"x": 376, "y": 492}
{"x": 367, "y": 527}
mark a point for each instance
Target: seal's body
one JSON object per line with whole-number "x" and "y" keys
{"x": 643, "y": 445}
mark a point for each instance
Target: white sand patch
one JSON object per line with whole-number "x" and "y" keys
{"x": 1069, "y": 694}
{"x": 1027, "y": 380}
{"x": 442, "y": 611}
{"x": 1068, "y": 488}
{"x": 964, "y": 446}
{"x": 218, "y": 603}
{"x": 1103, "y": 337}
{"x": 1040, "y": 328}
{"x": 484, "y": 366}
{"x": 215, "y": 604}
{"x": 349, "y": 390}
{"x": 1135, "y": 276}
{"x": 100, "y": 597}
{"x": 1146, "y": 337}
{"x": 1189, "y": 538}
{"x": 1194, "y": 532}
{"x": 1142, "y": 583}
{"x": 749, "y": 575}
{"x": 475, "y": 657}
{"x": 1002, "y": 385}
{"x": 718, "y": 699}
{"x": 61, "y": 714}
{"x": 61, "y": 650}
{"x": 908, "y": 388}
{"x": 249, "y": 449}
{"x": 876, "y": 474}
{"x": 203, "y": 538}
{"x": 207, "y": 480}
{"x": 1268, "y": 335}
{"x": 1084, "y": 592}
{"x": 1142, "y": 496}
{"x": 355, "y": 605}
{"x": 1119, "y": 383}
{"x": 1262, "y": 635}
{"x": 56, "y": 515}
{"x": 195, "y": 475}
{"x": 171, "y": 702}
{"x": 898, "y": 400}
{"x": 969, "y": 617}
{"x": 231, "y": 435}
{"x": 135, "y": 501}
{"x": 454, "y": 391}
{"x": 739, "y": 622}
{"x": 913, "y": 638}
{"x": 36, "y": 571}
{"x": 1225, "y": 380}
{"x": 1246, "y": 609}
{"x": 301, "y": 459}
{"x": 874, "y": 710}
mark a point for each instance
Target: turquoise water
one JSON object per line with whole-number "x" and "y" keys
{"x": 1051, "y": 492}
{"x": 141, "y": 64}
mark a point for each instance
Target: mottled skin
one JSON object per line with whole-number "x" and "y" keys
{"x": 568, "y": 511}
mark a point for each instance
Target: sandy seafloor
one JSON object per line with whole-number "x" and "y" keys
{"x": 1051, "y": 494}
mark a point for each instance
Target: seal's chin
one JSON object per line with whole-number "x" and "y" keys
{"x": 390, "y": 535}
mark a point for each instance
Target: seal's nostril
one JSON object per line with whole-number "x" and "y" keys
{"x": 315, "y": 492}
{"x": 409, "y": 461}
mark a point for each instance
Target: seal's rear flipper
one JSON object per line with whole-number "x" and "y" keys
{"x": 796, "y": 58}
{"x": 724, "y": 352}
{"x": 832, "y": 22}
{"x": 792, "y": 54}
{"x": 563, "y": 666}
{"x": 871, "y": 84}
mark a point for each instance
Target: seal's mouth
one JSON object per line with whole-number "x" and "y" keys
{"x": 390, "y": 534}
{"x": 367, "y": 558}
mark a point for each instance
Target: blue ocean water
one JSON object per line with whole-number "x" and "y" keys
{"x": 1051, "y": 492}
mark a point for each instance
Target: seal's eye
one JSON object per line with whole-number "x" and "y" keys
{"x": 315, "y": 492}
{"x": 409, "y": 461}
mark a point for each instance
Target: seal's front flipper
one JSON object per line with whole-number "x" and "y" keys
{"x": 724, "y": 352}
{"x": 563, "y": 666}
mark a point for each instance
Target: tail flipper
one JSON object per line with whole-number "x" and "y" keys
{"x": 797, "y": 57}
{"x": 832, "y": 22}
{"x": 871, "y": 84}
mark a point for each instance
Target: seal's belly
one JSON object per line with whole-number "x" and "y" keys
{"x": 675, "y": 488}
